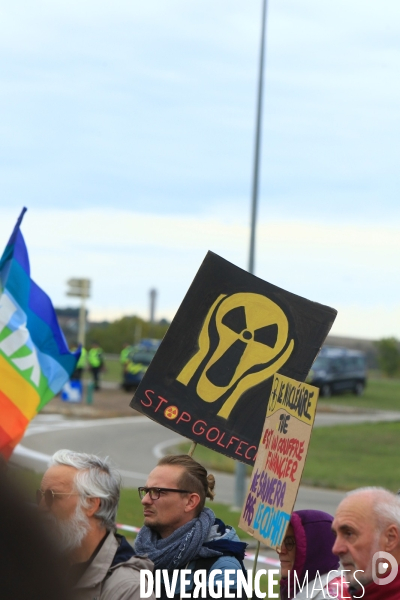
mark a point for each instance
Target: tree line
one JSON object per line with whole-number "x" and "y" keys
{"x": 389, "y": 356}
{"x": 129, "y": 330}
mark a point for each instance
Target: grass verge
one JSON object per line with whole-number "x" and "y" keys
{"x": 113, "y": 370}
{"x": 341, "y": 457}
{"x": 346, "y": 457}
{"x": 382, "y": 394}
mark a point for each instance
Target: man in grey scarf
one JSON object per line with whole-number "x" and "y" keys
{"x": 179, "y": 532}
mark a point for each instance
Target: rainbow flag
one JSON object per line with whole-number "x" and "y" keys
{"x": 34, "y": 358}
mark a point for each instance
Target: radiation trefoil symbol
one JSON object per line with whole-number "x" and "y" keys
{"x": 253, "y": 344}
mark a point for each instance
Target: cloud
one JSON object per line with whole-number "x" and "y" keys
{"x": 368, "y": 322}
{"x": 126, "y": 254}
{"x": 128, "y": 130}
{"x": 154, "y": 104}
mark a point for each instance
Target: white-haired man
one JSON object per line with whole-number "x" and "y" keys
{"x": 367, "y": 522}
{"x": 80, "y": 493}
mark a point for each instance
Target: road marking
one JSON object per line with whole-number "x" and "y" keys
{"x": 158, "y": 450}
{"x": 52, "y": 425}
{"x": 34, "y": 428}
{"x": 27, "y": 452}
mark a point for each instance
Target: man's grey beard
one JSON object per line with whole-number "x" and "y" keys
{"x": 69, "y": 533}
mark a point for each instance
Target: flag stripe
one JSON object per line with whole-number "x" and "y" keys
{"x": 35, "y": 303}
{"x": 18, "y": 390}
{"x": 5, "y": 439}
{"x": 7, "y": 444}
{"x": 13, "y": 421}
{"x": 52, "y": 369}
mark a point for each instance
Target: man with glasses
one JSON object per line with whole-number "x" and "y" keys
{"x": 180, "y": 533}
{"x": 79, "y": 495}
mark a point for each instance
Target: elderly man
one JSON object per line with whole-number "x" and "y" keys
{"x": 180, "y": 533}
{"x": 367, "y": 522}
{"x": 80, "y": 494}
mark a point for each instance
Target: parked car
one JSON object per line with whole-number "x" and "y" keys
{"x": 337, "y": 370}
{"x": 137, "y": 364}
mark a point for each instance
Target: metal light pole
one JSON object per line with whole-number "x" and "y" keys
{"x": 240, "y": 472}
{"x": 153, "y": 297}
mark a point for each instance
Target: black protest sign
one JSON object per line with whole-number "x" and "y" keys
{"x": 211, "y": 377}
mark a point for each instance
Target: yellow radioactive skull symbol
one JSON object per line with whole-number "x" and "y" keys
{"x": 253, "y": 344}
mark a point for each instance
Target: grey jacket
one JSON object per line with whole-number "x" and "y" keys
{"x": 101, "y": 581}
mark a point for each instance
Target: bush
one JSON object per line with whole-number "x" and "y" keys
{"x": 389, "y": 356}
{"x": 112, "y": 336}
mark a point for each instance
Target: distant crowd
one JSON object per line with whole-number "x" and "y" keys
{"x": 92, "y": 359}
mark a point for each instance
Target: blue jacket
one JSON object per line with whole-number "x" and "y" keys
{"x": 222, "y": 538}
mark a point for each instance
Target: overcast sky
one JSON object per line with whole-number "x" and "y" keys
{"x": 127, "y": 130}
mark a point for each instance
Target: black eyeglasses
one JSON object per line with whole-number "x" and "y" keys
{"x": 49, "y": 496}
{"x": 289, "y": 542}
{"x": 154, "y": 492}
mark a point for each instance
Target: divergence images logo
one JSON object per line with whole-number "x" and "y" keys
{"x": 381, "y": 561}
{"x": 253, "y": 344}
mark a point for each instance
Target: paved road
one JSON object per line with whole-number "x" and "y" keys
{"x": 327, "y": 419}
{"x": 136, "y": 443}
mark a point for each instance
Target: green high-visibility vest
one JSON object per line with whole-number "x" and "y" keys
{"x": 135, "y": 368}
{"x": 82, "y": 359}
{"x": 95, "y": 357}
{"x": 123, "y": 357}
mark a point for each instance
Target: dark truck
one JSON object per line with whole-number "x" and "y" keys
{"x": 137, "y": 363}
{"x": 337, "y": 370}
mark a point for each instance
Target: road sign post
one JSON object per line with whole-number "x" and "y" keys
{"x": 80, "y": 288}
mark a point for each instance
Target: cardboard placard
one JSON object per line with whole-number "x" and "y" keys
{"x": 280, "y": 460}
{"x": 211, "y": 377}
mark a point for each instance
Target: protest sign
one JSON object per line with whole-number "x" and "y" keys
{"x": 211, "y": 377}
{"x": 280, "y": 460}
